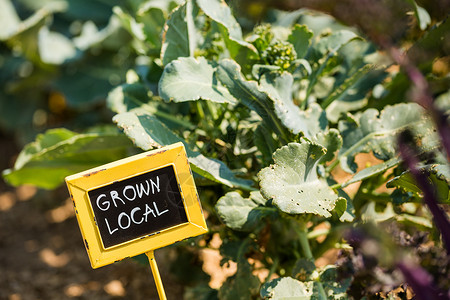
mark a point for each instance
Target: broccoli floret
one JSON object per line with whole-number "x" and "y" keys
{"x": 280, "y": 54}
{"x": 262, "y": 37}
{"x": 264, "y": 32}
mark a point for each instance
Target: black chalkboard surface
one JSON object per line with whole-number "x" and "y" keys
{"x": 138, "y": 206}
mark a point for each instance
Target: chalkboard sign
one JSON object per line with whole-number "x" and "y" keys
{"x": 137, "y": 204}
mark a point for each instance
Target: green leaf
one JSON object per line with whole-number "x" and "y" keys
{"x": 303, "y": 269}
{"x": 147, "y": 132}
{"x": 43, "y": 141}
{"x": 245, "y": 136}
{"x": 91, "y": 36}
{"x": 309, "y": 284}
{"x": 340, "y": 208}
{"x": 423, "y": 17}
{"x": 60, "y": 152}
{"x": 91, "y": 84}
{"x": 347, "y": 84}
{"x": 292, "y": 181}
{"x": 265, "y": 142}
{"x": 351, "y": 95}
{"x": 54, "y": 48}
{"x": 324, "y": 86}
{"x": 442, "y": 102}
{"x": 244, "y": 214}
{"x": 349, "y": 214}
{"x": 179, "y": 36}
{"x": 420, "y": 222}
{"x": 96, "y": 10}
{"x": 9, "y": 20}
{"x": 442, "y": 172}
{"x": 235, "y": 249}
{"x": 279, "y": 88}
{"x": 331, "y": 140}
{"x": 145, "y": 27}
{"x": 249, "y": 94}
{"x": 130, "y": 96}
{"x": 300, "y": 38}
{"x": 369, "y": 213}
{"x": 164, "y": 5}
{"x": 153, "y": 19}
{"x": 23, "y": 36}
{"x": 373, "y": 170}
{"x": 127, "y": 97}
{"x": 221, "y": 13}
{"x": 406, "y": 182}
{"x": 318, "y": 23}
{"x": 287, "y": 19}
{"x": 331, "y": 43}
{"x": 287, "y": 288}
{"x": 130, "y": 24}
{"x": 12, "y": 26}
{"x": 421, "y": 14}
{"x": 438, "y": 176}
{"x": 377, "y": 132}
{"x": 323, "y": 52}
{"x": 258, "y": 70}
{"x": 187, "y": 79}
{"x": 334, "y": 288}
{"x": 430, "y": 45}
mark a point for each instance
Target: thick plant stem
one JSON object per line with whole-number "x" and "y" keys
{"x": 304, "y": 243}
{"x": 200, "y": 110}
{"x": 303, "y": 237}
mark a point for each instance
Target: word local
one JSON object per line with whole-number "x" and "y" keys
{"x": 138, "y": 214}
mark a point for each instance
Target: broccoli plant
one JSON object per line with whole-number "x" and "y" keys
{"x": 292, "y": 132}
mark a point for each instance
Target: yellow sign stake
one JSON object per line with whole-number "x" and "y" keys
{"x": 156, "y": 276}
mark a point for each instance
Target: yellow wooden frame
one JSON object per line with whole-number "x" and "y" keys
{"x": 79, "y": 185}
